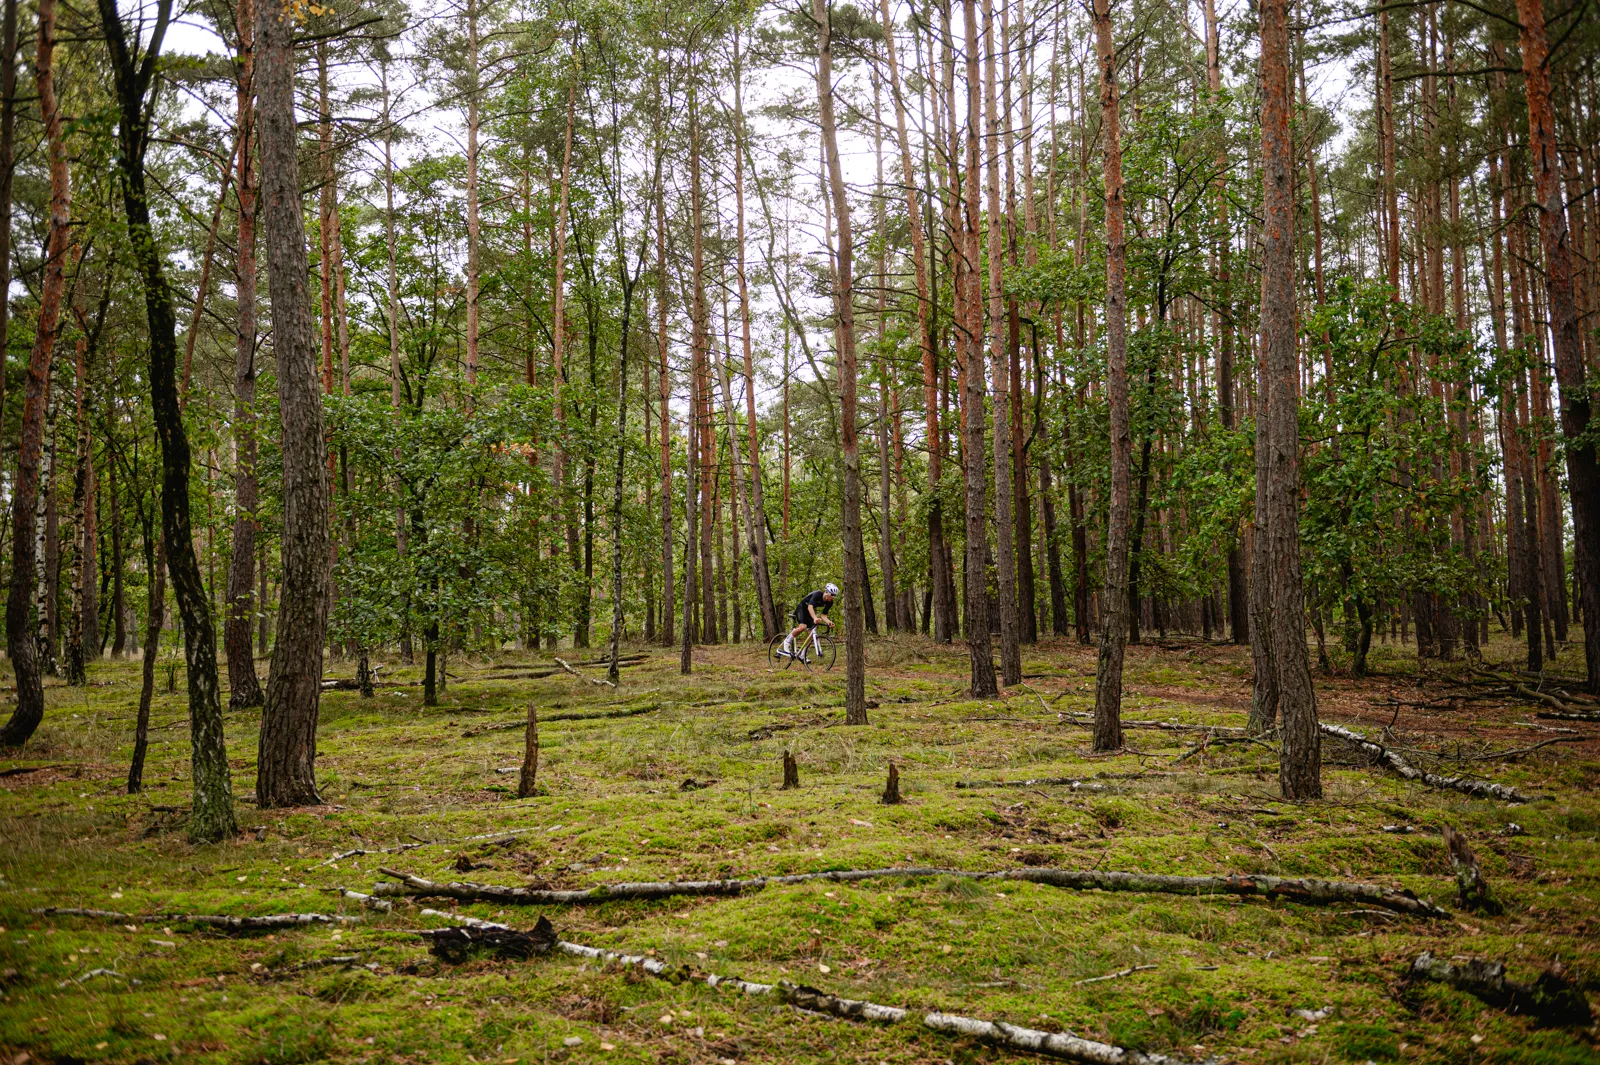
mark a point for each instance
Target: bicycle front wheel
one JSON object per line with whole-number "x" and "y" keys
{"x": 827, "y": 652}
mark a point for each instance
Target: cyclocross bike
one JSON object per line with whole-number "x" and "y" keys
{"x": 816, "y": 650}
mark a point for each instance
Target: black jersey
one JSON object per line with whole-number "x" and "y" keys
{"x": 815, "y": 599}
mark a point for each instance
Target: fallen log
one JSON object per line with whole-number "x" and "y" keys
{"x": 1070, "y": 782}
{"x": 1053, "y": 1044}
{"x": 1471, "y": 786}
{"x": 1575, "y": 715}
{"x": 1165, "y": 726}
{"x": 1302, "y": 890}
{"x": 457, "y": 945}
{"x": 632, "y": 711}
{"x": 1551, "y": 998}
{"x": 568, "y": 669}
{"x": 227, "y": 923}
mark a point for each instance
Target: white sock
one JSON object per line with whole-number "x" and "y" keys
{"x": 788, "y": 643}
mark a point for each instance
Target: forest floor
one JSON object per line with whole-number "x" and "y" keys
{"x": 689, "y": 789}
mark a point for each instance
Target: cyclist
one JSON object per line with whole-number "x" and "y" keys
{"x": 809, "y": 613}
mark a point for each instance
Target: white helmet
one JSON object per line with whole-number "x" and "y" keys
{"x": 830, "y": 589}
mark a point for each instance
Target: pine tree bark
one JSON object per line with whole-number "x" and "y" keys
{"x": 21, "y": 645}
{"x": 1004, "y": 490}
{"x": 287, "y": 751}
{"x": 244, "y": 687}
{"x": 1583, "y": 470}
{"x": 1114, "y": 596}
{"x": 1300, "y": 762}
{"x": 755, "y": 514}
{"x": 855, "y": 647}
{"x": 83, "y": 641}
{"x": 8, "y": 124}
{"x": 938, "y": 578}
{"x": 667, "y": 522}
{"x": 472, "y": 203}
{"x": 972, "y": 388}
{"x": 211, "y": 815}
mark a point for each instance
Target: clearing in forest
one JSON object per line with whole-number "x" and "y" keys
{"x": 672, "y": 778}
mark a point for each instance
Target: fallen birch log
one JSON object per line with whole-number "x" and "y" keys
{"x": 1551, "y": 715}
{"x": 231, "y": 924}
{"x": 1393, "y": 759}
{"x": 1063, "y": 1045}
{"x": 1165, "y": 726}
{"x": 568, "y": 669}
{"x": 1302, "y": 890}
{"x": 1550, "y": 998}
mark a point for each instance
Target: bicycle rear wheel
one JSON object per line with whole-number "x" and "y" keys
{"x": 776, "y": 659}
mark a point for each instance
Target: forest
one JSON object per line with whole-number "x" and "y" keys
{"x": 427, "y": 431}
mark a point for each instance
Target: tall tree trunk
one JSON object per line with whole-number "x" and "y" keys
{"x": 1300, "y": 765}
{"x": 472, "y": 203}
{"x": 972, "y": 387}
{"x": 755, "y": 515}
{"x": 21, "y": 645}
{"x": 244, "y": 687}
{"x": 667, "y": 522}
{"x": 1114, "y": 599}
{"x": 83, "y": 641}
{"x": 1222, "y": 248}
{"x": 938, "y": 578}
{"x": 690, "y": 495}
{"x": 558, "y": 326}
{"x": 1004, "y": 491}
{"x": 286, "y": 758}
{"x": 700, "y": 410}
{"x": 119, "y": 621}
{"x": 8, "y": 158}
{"x": 855, "y": 699}
{"x": 392, "y": 282}
{"x": 211, "y": 809}
{"x": 1583, "y": 471}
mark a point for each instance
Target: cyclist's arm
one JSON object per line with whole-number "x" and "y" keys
{"x": 816, "y": 618}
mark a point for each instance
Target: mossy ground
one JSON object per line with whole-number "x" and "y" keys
{"x": 1228, "y": 972}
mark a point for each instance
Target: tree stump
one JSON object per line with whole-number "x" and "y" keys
{"x": 530, "y": 755}
{"x": 891, "y": 792}
{"x": 791, "y": 772}
{"x": 1472, "y": 888}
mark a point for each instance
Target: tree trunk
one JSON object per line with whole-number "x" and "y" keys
{"x": 700, "y": 344}
{"x": 972, "y": 388}
{"x": 938, "y": 579}
{"x": 1114, "y": 600}
{"x": 855, "y": 700}
{"x": 1004, "y": 490}
{"x": 755, "y": 507}
{"x": 667, "y": 578}
{"x": 244, "y": 687}
{"x": 392, "y": 280}
{"x": 1300, "y": 763}
{"x": 1583, "y": 471}
{"x": 155, "y": 562}
{"x": 472, "y": 203}
{"x": 558, "y": 326}
{"x": 211, "y": 810}
{"x": 286, "y": 759}
{"x": 83, "y": 639}
{"x": 8, "y": 123}
{"x": 21, "y": 644}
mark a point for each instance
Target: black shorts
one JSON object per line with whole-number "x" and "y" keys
{"x": 803, "y": 617}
